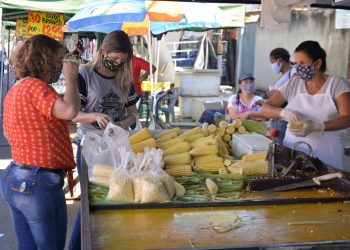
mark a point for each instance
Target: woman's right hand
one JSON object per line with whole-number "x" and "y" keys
{"x": 70, "y": 71}
{"x": 102, "y": 119}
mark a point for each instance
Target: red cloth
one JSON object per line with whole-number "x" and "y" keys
{"x": 138, "y": 64}
{"x": 35, "y": 136}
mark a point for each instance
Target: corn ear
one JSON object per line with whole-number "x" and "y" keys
{"x": 212, "y": 128}
{"x": 170, "y": 143}
{"x": 211, "y": 185}
{"x": 220, "y": 131}
{"x": 193, "y": 138}
{"x": 237, "y": 123}
{"x": 209, "y": 166}
{"x": 177, "y": 130}
{"x": 205, "y": 150}
{"x": 139, "y": 136}
{"x": 140, "y": 147}
{"x": 223, "y": 124}
{"x": 180, "y": 171}
{"x": 177, "y": 159}
{"x": 179, "y": 189}
{"x": 230, "y": 129}
{"x": 241, "y": 130}
{"x": 178, "y": 148}
{"x": 254, "y": 157}
{"x": 193, "y": 131}
{"x": 166, "y": 137}
{"x": 205, "y": 130}
{"x": 227, "y": 137}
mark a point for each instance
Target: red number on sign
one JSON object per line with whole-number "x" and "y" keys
{"x": 34, "y": 18}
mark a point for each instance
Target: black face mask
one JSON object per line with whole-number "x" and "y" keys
{"x": 110, "y": 64}
{"x": 55, "y": 75}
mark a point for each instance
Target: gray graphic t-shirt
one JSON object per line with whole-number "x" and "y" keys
{"x": 99, "y": 93}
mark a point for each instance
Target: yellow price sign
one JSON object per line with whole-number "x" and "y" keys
{"x": 49, "y": 24}
{"x": 21, "y": 28}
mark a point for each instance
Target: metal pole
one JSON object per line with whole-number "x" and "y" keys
{"x": 8, "y": 60}
{"x": 239, "y": 57}
{"x": 2, "y": 64}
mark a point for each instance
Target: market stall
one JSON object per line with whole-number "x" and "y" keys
{"x": 238, "y": 214}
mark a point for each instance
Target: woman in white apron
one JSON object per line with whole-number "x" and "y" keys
{"x": 317, "y": 102}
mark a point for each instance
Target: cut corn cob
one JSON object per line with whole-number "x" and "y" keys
{"x": 139, "y": 136}
{"x": 295, "y": 125}
{"x": 177, "y": 159}
{"x": 234, "y": 170}
{"x": 241, "y": 130}
{"x": 227, "y": 163}
{"x": 223, "y": 124}
{"x": 169, "y": 185}
{"x": 237, "y": 123}
{"x": 255, "y": 168}
{"x": 206, "y": 157}
{"x": 102, "y": 170}
{"x": 212, "y": 128}
{"x": 230, "y": 129}
{"x": 211, "y": 160}
{"x": 206, "y": 138}
{"x": 179, "y": 189}
{"x": 220, "y": 131}
{"x": 99, "y": 180}
{"x": 193, "y": 138}
{"x": 211, "y": 185}
{"x": 170, "y": 143}
{"x": 179, "y": 171}
{"x": 227, "y": 137}
{"x": 140, "y": 147}
{"x": 205, "y": 150}
{"x": 178, "y": 148}
{"x": 221, "y": 146}
{"x": 194, "y": 131}
{"x": 254, "y": 157}
{"x": 168, "y": 131}
{"x": 205, "y": 130}
{"x": 223, "y": 170}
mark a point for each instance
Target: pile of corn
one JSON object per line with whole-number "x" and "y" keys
{"x": 140, "y": 140}
{"x": 250, "y": 165}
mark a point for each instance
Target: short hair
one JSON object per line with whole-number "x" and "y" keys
{"x": 313, "y": 50}
{"x": 280, "y": 53}
{"x": 36, "y": 57}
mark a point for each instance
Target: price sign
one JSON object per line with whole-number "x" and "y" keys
{"x": 49, "y": 24}
{"x": 21, "y": 28}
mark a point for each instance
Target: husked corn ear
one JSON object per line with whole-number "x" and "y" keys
{"x": 230, "y": 129}
{"x": 203, "y": 139}
{"x": 223, "y": 124}
{"x": 211, "y": 142}
{"x": 209, "y": 166}
{"x": 166, "y": 137}
{"x": 140, "y": 147}
{"x": 254, "y": 157}
{"x": 223, "y": 170}
{"x": 208, "y": 158}
{"x": 102, "y": 170}
{"x": 220, "y": 131}
{"x": 234, "y": 170}
{"x": 178, "y": 166}
{"x": 227, "y": 163}
{"x": 221, "y": 146}
{"x": 139, "y": 136}
{"x": 99, "y": 180}
{"x": 193, "y": 131}
{"x": 205, "y": 150}
{"x": 237, "y": 123}
{"x": 178, "y": 148}
{"x": 227, "y": 137}
{"x": 241, "y": 130}
{"x": 177, "y": 130}
{"x": 205, "y": 130}
{"x": 179, "y": 189}
{"x": 180, "y": 171}
{"x": 170, "y": 143}
{"x": 177, "y": 159}
{"x": 193, "y": 138}
{"x": 211, "y": 185}
{"x": 212, "y": 128}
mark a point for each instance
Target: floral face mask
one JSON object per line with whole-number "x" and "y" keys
{"x": 306, "y": 72}
{"x": 249, "y": 86}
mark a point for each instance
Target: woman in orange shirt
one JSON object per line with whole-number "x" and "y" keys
{"x": 35, "y": 125}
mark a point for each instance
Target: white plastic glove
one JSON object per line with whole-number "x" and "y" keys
{"x": 309, "y": 126}
{"x": 290, "y": 116}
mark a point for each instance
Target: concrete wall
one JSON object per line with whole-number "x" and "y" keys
{"x": 317, "y": 24}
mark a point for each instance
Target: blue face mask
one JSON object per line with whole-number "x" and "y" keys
{"x": 275, "y": 67}
{"x": 249, "y": 87}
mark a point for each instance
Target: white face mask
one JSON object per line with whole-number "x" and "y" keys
{"x": 275, "y": 67}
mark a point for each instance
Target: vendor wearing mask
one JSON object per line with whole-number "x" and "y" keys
{"x": 318, "y": 105}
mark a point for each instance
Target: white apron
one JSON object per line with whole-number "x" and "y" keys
{"x": 326, "y": 145}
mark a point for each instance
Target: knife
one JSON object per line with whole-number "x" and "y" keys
{"x": 314, "y": 181}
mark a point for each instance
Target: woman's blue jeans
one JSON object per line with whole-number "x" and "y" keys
{"x": 37, "y": 205}
{"x": 75, "y": 240}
